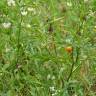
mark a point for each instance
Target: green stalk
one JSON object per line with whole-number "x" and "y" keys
{"x": 73, "y": 63}
{"x": 18, "y": 36}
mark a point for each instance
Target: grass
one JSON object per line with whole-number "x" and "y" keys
{"x": 34, "y": 39}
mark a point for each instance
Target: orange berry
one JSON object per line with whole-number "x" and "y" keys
{"x": 69, "y": 49}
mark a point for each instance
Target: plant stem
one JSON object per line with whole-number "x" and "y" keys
{"x": 72, "y": 66}
{"x": 18, "y": 37}
{"x": 73, "y": 63}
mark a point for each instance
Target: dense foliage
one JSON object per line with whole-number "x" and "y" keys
{"x": 47, "y": 47}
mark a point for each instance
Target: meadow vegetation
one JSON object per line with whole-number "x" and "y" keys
{"x": 47, "y": 47}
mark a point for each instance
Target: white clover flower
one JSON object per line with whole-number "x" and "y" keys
{"x": 69, "y": 4}
{"x": 24, "y": 13}
{"x": 54, "y": 91}
{"x": 11, "y": 2}
{"x": 6, "y": 25}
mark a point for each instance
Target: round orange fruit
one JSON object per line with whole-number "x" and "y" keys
{"x": 69, "y": 49}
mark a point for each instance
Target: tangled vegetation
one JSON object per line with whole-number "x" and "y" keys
{"x": 47, "y": 47}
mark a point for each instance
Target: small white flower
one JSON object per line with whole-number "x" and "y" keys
{"x": 48, "y": 77}
{"x": 54, "y": 94}
{"x": 6, "y": 25}
{"x": 68, "y": 40}
{"x": 52, "y": 88}
{"x": 30, "y": 9}
{"x": 69, "y": 4}
{"x": 91, "y": 13}
{"x": 7, "y": 50}
{"x": 24, "y": 13}
{"x": 28, "y": 25}
{"x": 2, "y": 15}
{"x": 11, "y": 2}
